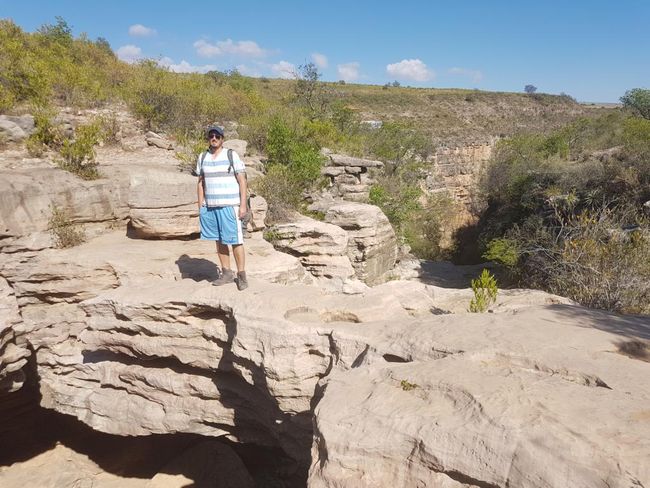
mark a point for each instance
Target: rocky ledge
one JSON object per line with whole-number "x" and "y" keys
{"x": 396, "y": 386}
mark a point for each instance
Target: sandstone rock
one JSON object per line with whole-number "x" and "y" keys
{"x": 332, "y": 170}
{"x": 372, "y": 246}
{"x": 12, "y": 356}
{"x": 321, "y": 248}
{"x": 157, "y": 140}
{"x": 254, "y": 165}
{"x": 259, "y": 207}
{"x": 237, "y": 145}
{"x": 26, "y": 198}
{"x": 343, "y": 160}
{"x": 455, "y": 403}
{"x": 53, "y": 277}
{"x": 163, "y": 204}
{"x": 10, "y": 131}
{"x": 25, "y": 122}
{"x": 346, "y": 179}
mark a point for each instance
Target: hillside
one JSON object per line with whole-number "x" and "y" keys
{"x": 449, "y": 116}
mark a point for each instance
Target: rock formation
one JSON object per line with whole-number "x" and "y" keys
{"x": 395, "y": 385}
{"x": 349, "y": 177}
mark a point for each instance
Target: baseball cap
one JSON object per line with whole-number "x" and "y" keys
{"x": 214, "y": 128}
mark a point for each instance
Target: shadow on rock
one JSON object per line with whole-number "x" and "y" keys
{"x": 280, "y": 452}
{"x": 197, "y": 269}
{"x": 632, "y": 326}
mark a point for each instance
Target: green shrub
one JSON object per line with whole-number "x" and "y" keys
{"x": 282, "y": 191}
{"x": 190, "y": 145}
{"x": 588, "y": 257}
{"x": 78, "y": 154}
{"x": 64, "y": 232}
{"x": 407, "y": 385}
{"x": 181, "y": 102}
{"x": 636, "y": 140}
{"x": 286, "y": 147}
{"x": 396, "y": 143}
{"x": 109, "y": 129}
{"x": 503, "y": 251}
{"x": 485, "y": 291}
{"x": 637, "y": 100}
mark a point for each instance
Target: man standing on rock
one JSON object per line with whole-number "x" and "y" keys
{"x": 222, "y": 205}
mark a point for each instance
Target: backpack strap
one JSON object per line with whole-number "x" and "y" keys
{"x": 231, "y": 166}
{"x": 203, "y": 155}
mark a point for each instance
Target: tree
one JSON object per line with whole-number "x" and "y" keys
{"x": 638, "y": 100}
{"x": 60, "y": 32}
{"x": 309, "y": 91}
{"x": 396, "y": 84}
{"x": 530, "y": 89}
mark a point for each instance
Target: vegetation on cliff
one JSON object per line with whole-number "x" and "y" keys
{"x": 567, "y": 212}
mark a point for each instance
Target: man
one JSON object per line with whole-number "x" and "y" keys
{"x": 221, "y": 194}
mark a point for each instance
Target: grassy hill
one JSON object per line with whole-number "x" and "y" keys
{"x": 448, "y": 115}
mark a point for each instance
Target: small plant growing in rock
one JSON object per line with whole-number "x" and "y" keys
{"x": 485, "y": 292}
{"x": 46, "y": 134}
{"x": 407, "y": 386}
{"x": 272, "y": 236}
{"x": 79, "y": 154}
{"x": 64, "y": 232}
{"x": 109, "y": 129}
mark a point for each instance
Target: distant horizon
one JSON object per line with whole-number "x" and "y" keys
{"x": 592, "y": 51}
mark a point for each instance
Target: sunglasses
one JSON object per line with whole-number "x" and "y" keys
{"x": 214, "y": 136}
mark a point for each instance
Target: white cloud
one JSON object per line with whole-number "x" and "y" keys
{"x": 410, "y": 69}
{"x": 240, "y": 48}
{"x": 129, "y": 53}
{"x": 474, "y": 75}
{"x": 284, "y": 69}
{"x": 348, "y": 71}
{"x": 247, "y": 70}
{"x": 319, "y": 59}
{"x": 139, "y": 30}
{"x": 184, "y": 66}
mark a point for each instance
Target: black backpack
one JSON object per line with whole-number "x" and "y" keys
{"x": 249, "y": 213}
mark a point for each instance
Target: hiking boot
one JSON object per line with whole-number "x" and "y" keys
{"x": 242, "y": 282}
{"x": 225, "y": 277}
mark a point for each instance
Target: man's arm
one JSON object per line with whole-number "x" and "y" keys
{"x": 243, "y": 190}
{"x": 199, "y": 192}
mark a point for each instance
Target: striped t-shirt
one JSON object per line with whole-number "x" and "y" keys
{"x": 220, "y": 186}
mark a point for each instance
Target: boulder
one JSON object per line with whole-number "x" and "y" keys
{"x": 321, "y": 247}
{"x": 372, "y": 245}
{"x": 157, "y": 140}
{"x": 14, "y": 128}
{"x": 163, "y": 204}
{"x": 237, "y": 145}
{"x": 259, "y": 207}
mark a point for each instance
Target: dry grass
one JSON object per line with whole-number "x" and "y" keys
{"x": 635, "y": 348}
{"x": 450, "y": 115}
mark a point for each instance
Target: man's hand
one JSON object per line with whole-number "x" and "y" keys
{"x": 243, "y": 210}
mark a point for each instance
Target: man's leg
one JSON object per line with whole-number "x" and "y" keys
{"x": 224, "y": 255}
{"x": 240, "y": 257}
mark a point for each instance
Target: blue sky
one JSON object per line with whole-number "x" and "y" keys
{"x": 594, "y": 50}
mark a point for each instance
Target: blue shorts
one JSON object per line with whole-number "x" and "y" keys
{"x": 221, "y": 224}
